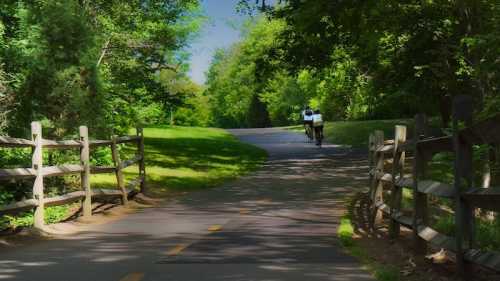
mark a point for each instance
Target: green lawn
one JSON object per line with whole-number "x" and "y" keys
{"x": 355, "y": 133}
{"x": 188, "y": 158}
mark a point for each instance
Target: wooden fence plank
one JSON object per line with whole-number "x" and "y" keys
{"x": 484, "y": 132}
{"x": 403, "y": 220}
{"x": 385, "y": 148}
{"x": 61, "y": 144}
{"x": 96, "y": 143}
{"x": 437, "y": 239}
{"x": 53, "y": 171}
{"x": 484, "y": 198}
{"x": 102, "y": 193}
{"x": 435, "y": 188}
{"x": 436, "y": 145}
{"x": 17, "y": 207}
{"x": 6, "y": 174}
{"x": 15, "y": 142}
{"x": 490, "y": 260}
{"x": 408, "y": 145}
{"x": 127, "y": 163}
{"x": 64, "y": 199}
{"x": 405, "y": 182}
{"x": 126, "y": 139}
{"x": 102, "y": 169}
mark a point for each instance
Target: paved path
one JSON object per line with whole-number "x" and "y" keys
{"x": 278, "y": 224}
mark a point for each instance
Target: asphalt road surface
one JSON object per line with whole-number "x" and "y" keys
{"x": 274, "y": 225}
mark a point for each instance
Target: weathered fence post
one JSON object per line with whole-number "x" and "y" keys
{"x": 85, "y": 174}
{"x": 464, "y": 213}
{"x": 142, "y": 161}
{"x": 37, "y": 165}
{"x": 119, "y": 173}
{"x": 398, "y": 165}
{"x": 420, "y": 210}
{"x": 377, "y": 187}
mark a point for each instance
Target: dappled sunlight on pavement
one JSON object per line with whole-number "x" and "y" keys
{"x": 277, "y": 224}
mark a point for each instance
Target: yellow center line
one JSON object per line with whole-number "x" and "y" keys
{"x": 135, "y": 276}
{"x": 177, "y": 249}
{"x": 215, "y": 228}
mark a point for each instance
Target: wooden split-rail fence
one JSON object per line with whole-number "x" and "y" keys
{"x": 466, "y": 197}
{"x": 38, "y": 171}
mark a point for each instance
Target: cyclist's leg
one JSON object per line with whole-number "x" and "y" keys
{"x": 317, "y": 136}
{"x": 318, "y": 131}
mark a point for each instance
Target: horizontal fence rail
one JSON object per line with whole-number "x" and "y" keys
{"x": 38, "y": 172}
{"x": 465, "y": 198}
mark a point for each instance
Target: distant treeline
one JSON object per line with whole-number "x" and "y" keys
{"x": 357, "y": 60}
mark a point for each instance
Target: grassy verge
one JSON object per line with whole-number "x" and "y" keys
{"x": 189, "y": 158}
{"x": 355, "y": 133}
{"x": 381, "y": 272}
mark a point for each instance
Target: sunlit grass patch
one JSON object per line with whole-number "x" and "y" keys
{"x": 345, "y": 233}
{"x": 187, "y": 158}
{"x": 356, "y": 133}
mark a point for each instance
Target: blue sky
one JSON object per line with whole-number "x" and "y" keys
{"x": 219, "y": 32}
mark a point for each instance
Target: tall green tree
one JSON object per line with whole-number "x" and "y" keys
{"x": 94, "y": 62}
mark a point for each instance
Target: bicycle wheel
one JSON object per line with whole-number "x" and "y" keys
{"x": 310, "y": 133}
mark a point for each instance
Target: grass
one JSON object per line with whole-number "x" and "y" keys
{"x": 188, "y": 158}
{"x": 355, "y": 133}
{"x": 381, "y": 272}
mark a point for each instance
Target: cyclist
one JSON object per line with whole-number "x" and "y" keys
{"x": 318, "y": 126}
{"x": 307, "y": 114}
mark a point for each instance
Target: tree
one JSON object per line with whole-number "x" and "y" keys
{"x": 238, "y": 76}
{"x": 97, "y": 62}
{"x": 413, "y": 56}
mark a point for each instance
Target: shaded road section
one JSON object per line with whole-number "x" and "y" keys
{"x": 277, "y": 224}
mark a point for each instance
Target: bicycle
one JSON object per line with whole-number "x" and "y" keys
{"x": 309, "y": 132}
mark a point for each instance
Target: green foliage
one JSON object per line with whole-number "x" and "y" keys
{"x": 345, "y": 232}
{"x": 370, "y": 60}
{"x": 487, "y": 232}
{"x": 387, "y": 273}
{"x": 52, "y": 215}
{"x": 92, "y": 62}
{"x": 195, "y": 112}
{"x": 237, "y": 77}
